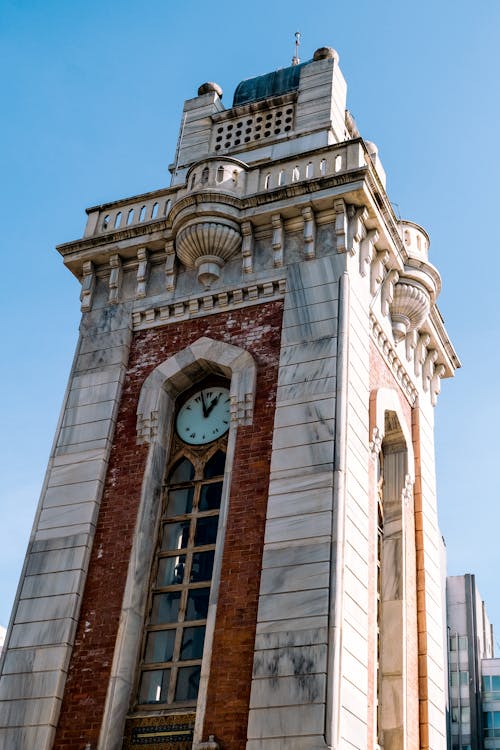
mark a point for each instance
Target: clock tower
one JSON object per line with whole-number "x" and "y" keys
{"x": 237, "y": 545}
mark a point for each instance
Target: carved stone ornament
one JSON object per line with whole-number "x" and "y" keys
{"x": 409, "y": 307}
{"x": 210, "y": 745}
{"x": 206, "y": 246}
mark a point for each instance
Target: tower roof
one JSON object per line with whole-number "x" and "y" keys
{"x": 271, "y": 84}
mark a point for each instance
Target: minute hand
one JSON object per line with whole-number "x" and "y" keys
{"x": 211, "y": 406}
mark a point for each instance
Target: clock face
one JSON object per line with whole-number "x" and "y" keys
{"x": 205, "y": 416}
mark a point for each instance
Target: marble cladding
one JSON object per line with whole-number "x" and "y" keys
{"x": 46, "y": 610}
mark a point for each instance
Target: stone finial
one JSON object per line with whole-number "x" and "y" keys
{"x": 208, "y": 87}
{"x": 326, "y": 53}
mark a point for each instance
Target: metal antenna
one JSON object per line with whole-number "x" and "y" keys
{"x": 296, "y": 58}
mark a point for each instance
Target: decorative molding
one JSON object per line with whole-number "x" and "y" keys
{"x": 204, "y": 356}
{"x": 88, "y": 286}
{"x": 376, "y": 441}
{"x": 428, "y": 368}
{"x": 420, "y": 351}
{"x": 377, "y": 270}
{"x": 388, "y": 352}
{"x": 367, "y": 251}
{"x": 357, "y": 217}
{"x": 309, "y": 233}
{"x": 170, "y": 270}
{"x": 278, "y": 240}
{"x": 210, "y": 745}
{"x": 410, "y": 344}
{"x": 208, "y": 303}
{"x": 388, "y": 291}
{"x": 247, "y": 246}
{"x": 439, "y": 372}
{"x": 142, "y": 272}
{"x": 115, "y": 279}
{"x": 340, "y": 225}
{"x": 409, "y": 307}
{"x": 206, "y": 246}
{"x": 407, "y": 493}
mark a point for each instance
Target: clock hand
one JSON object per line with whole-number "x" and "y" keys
{"x": 213, "y": 403}
{"x": 204, "y": 406}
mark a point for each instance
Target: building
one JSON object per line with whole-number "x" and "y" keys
{"x": 237, "y": 544}
{"x": 474, "y": 673}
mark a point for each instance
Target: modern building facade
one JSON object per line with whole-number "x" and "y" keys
{"x": 474, "y": 673}
{"x": 236, "y": 544}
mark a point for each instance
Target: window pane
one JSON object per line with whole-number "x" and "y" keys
{"x": 215, "y": 466}
{"x": 202, "y": 566}
{"x": 206, "y": 531}
{"x": 464, "y": 678}
{"x": 486, "y": 682}
{"x": 175, "y": 535}
{"x": 154, "y": 686}
{"x": 495, "y": 682}
{"x": 183, "y": 471}
{"x": 165, "y": 607}
{"x": 160, "y": 646}
{"x": 180, "y": 502}
{"x": 465, "y": 714}
{"x": 462, "y": 643}
{"x": 197, "y": 604}
{"x": 188, "y": 679}
{"x": 192, "y": 643}
{"x": 454, "y": 679}
{"x": 170, "y": 570}
{"x": 210, "y": 496}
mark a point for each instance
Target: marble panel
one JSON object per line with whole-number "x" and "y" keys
{"x": 354, "y": 728}
{"x": 313, "y": 742}
{"x": 305, "y": 372}
{"x": 318, "y": 411}
{"x": 305, "y": 296}
{"x": 323, "y": 386}
{"x": 85, "y": 434}
{"x": 311, "y": 525}
{"x": 312, "y": 454}
{"x": 31, "y": 711}
{"x": 301, "y": 483}
{"x": 46, "y": 608}
{"x": 93, "y": 342}
{"x": 68, "y": 515}
{"x": 115, "y": 355}
{"x": 70, "y": 531}
{"x": 109, "y": 374}
{"x": 291, "y": 660}
{"x": 280, "y": 722}
{"x": 294, "y": 604}
{"x": 298, "y": 690}
{"x": 94, "y": 394}
{"x": 36, "y": 659}
{"x": 51, "y": 632}
{"x": 287, "y": 639}
{"x": 355, "y": 613}
{"x": 303, "y": 434}
{"x": 59, "y": 542}
{"x": 311, "y": 313}
{"x": 292, "y": 625}
{"x": 50, "y": 584}
{"x": 66, "y": 448}
{"x": 68, "y": 494}
{"x": 26, "y": 738}
{"x": 308, "y": 331}
{"x": 299, "y": 502}
{"x": 88, "y": 413}
{"x": 51, "y": 561}
{"x": 295, "y": 472}
{"x": 357, "y": 590}
{"x": 297, "y": 553}
{"x": 354, "y": 698}
{"x": 354, "y": 670}
{"x": 295, "y": 578}
{"x": 39, "y": 685}
{"x": 76, "y": 472}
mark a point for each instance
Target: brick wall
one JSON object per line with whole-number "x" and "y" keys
{"x": 257, "y": 329}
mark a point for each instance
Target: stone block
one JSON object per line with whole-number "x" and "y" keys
{"x": 290, "y": 720}
{"x": 294, "y": 604}
{"x": 298, "y": 689}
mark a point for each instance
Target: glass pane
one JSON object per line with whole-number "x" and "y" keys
{"x": 495, "y": 682}
{"x": 188, "y": 679}
{"x": 154, "y": 686}
{"x": 165, "y": 607}
{"x": 202, "y": 566}
{"x": 464, "y": 678}
{"x": 454, "y": 679}
{"x": 462, "y": 643}
{"x": 170, "y": 571}
{"x": 192, "y": 643}
{"x": 197, "y": 604}
{"x": 210, "y": 496}
{"x": 175, "y": 535}
{"x": 180, "y": 502}
{"x": 159, "y": 646}
{"x": 183, "y": 471}
{"x": 465, "y": 714}
{"x": 215, "y": 466}
{"x": 206, "y": 531}
{"x": 486, "y": 682}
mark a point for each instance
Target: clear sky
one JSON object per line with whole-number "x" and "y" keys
{"x": 92, "y": 93}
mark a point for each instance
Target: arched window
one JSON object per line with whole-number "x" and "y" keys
{"x": 142, "y": 214}
{"x": 267, "y": 181}
{"x": 174, "y": 631}
{"x": 130, "y": 216}
{"x": 105, "y": 223}
{"x": 322, "y": 167}
{"x": 220, "y": 173}
{"x": 281, "y": 177}
{"x": 154, "y": 211}
{"x": 168, "y": 203}
{"x": 309, "y": 170}
{"x": 295, "y": 174}
{"x": 338, "y": 162}
{"x": 204, "y": 176}
{"x": 118, "y": 219}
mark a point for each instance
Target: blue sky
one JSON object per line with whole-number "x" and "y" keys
{"x": 92, "y": 94}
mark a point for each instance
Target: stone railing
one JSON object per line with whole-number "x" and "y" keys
{"x": 127, "y": 213}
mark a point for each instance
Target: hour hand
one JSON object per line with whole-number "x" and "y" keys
{"x": 212, "y": 404}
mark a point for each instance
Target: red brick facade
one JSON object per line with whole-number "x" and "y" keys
{"x": 257, "y": 329}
